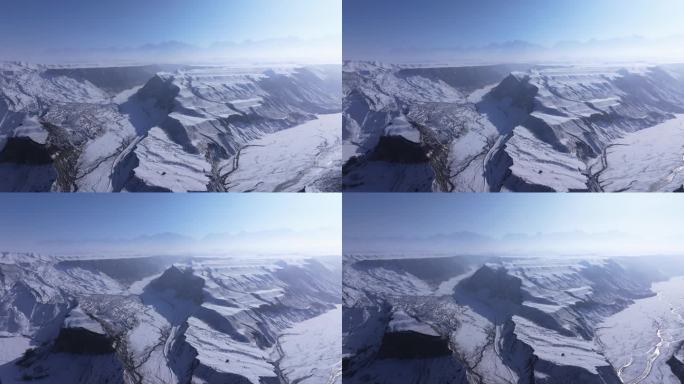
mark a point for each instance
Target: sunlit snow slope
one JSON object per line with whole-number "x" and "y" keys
{"x": 513, "y": 128}
{"x": 537, "y": 320}
{"x": 167, "y": 128}
{"x": 169, "y": 320}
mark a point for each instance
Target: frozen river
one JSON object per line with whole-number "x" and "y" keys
{"x": 639, "y": 340}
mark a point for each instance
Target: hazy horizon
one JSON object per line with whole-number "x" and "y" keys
{"x": 169, "y": 32}
{"x": 495, "y": 31}
{"x": 132, "y": 224}
{"x": 513, "y": 225}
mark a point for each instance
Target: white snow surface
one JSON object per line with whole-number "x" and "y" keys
{"x": 647, "y": 160}
{"x": 640, "y": 339}
{"x": 175, "y": 319}
{"x": 313, "y": 148}
{"x": 402, "y": 322}
{"x": 134, "y": 129}
{"x": 311, "y": 349}
{"x": 595, "y": 320}
{"x": 516, "y": 128}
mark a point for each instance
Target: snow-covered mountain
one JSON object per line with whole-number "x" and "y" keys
{"x": 513, "y": 128}
{"x": 169, "y": 320}
{"x": 169, "y": 128}
{"x": 502, "y": 320}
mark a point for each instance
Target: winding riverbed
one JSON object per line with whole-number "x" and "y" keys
{"x": 638, "y": 340}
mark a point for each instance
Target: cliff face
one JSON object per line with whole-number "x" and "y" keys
{"x": 515, "y": 128}
{"x": 157, "y": 128}
{"x": 180, "y": 320}
{"x": 506, "y": 320}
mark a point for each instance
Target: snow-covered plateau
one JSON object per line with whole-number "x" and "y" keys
{"x": 170, "y": 128}
{"x": 490, "y": 320}
{"x": 169, "y": 320}
{"x": 513, "y": 128}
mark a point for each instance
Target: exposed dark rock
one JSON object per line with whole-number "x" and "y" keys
{"x": 412, "y": 345}
{"x": 432, "y": 270}
{"x": 183, "y": 283}
{"x": 80, "y": 341}
{"x": 112, "y": 79}
{"x": 677, "y": 368}
{"x": 23, "y": 150}
{"x": 396, "y": 149}
{"x": 494, "y": 283}
{"x": 125, "y": 270}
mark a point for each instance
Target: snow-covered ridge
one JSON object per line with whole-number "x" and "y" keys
{"x": 168, "y": 320}
{"x": 512, "y": 127}
{"x": 489, "y": 320}
{"x": 161, "y": 128}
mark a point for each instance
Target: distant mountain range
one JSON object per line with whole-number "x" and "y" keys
{"x": 325, "y": 50}
{"x": 573, "y": 243}
{"x": 271, "y": 242}
{"x": 628, "y": 48}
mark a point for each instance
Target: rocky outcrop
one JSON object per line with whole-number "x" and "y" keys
{"x": 81, "y": 341}
{"x": 677, "y": 367}
{"x": 183, "y": 283}
{"x": 513, "y": 128}
{"x": 151, "y": 128}
{"x": 531, "y": 320}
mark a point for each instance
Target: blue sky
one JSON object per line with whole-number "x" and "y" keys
{"x": 654, "y": 219}
{"x": 30, "y": 219}
{"x": 371, "y": 28}
{"x": 40, "y": 25}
